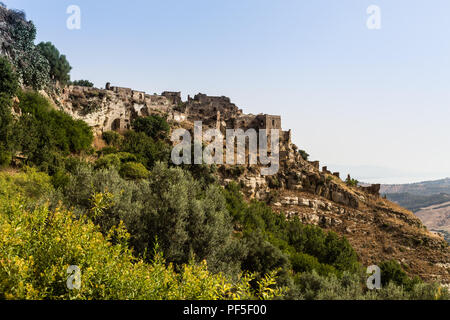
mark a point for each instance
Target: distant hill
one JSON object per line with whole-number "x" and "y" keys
{"x": 421, "y": 188}
{"x": 429, "y": 200}
{"x": 436, "y": 217}
{"x": 415, "y": 202}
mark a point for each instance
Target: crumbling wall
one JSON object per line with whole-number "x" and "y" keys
{"x": 372, "y": 189}
{"x": 173, "y": 97}
{"x": 112, "y": 108}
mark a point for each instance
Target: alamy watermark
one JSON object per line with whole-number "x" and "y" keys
{"x": 213, "y": 151}
{"x": 374, "y": 19}
{"x": 73, "y": 22}
{"x": 74, "y": 279}
{"x": 374, "y": 280}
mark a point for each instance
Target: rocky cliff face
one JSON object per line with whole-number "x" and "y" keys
{"x": 378, "y": 229}
{"x": 106, "y": 110}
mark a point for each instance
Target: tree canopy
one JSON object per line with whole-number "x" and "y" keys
{"x": 59, "y": 66}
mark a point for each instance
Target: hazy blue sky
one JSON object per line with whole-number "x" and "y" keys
{"x": 373, "y": 101}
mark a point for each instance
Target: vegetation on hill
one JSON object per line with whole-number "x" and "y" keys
{"x": 415, "y": 202}
{"x": 31, "y": 66}
{"x": 420, "y": 188}
{"x": 82, "y": 83}
{"x": 8, "y": 89}
{"x": 59, "y": 66}
{"x": 38, "y": 244}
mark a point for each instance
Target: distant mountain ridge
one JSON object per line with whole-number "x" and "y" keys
{"x": 419, "y": 188}
{"x": 429, "y": 200}
{"x": 416, "y": 202}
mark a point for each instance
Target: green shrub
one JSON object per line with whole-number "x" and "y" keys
{"x": 60, "y": 179}
{"x": 153, "y": 126}
{"x": 6, "y": 119}
{"x": 36, "y": 256}
{"x": 108, "y": 161}
{"x": 263, "y": 256}
{"x": 351, "y": 182}
{"x": 29, "y": 183}
{"x": 274, "y": 182}
{"x": 5, "y": 157}
{"x": 8, "y": 78}
{"x": 59, "y": 66}
{"x": 392, "y": 271}
{"x": 82, "y": 83}
{"x": 31, "y": 66}
{"x": 302, "y": 262}
{"x": 304, "y": 154}
{"x": 133, "y": 170}
{"x": 235, "y": 171}
{"x": 43, "y": 132}
{"x": 186, "y": 218}
{"x": 107, "y": 150}
{"x": 112, "y": 138}
{"x": 312, "y": 286}
{"x": 147, "y": 150}
{"x": 351, "y": 286}
{"x": 126, "y": 157}
{"x": 8, "y": 89}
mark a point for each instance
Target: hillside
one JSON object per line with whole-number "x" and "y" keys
{"x": 436, "y": 217}
{"x": 98, "y": 162}
{"x": 378, "y": 229}
{"x": 425, "y": 188}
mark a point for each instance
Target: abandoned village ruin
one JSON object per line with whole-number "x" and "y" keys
{"x": 301, "y": 189}
{"x": 114, "y": 108}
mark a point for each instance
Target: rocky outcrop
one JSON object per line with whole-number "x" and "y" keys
{"x": 112, "y": 109}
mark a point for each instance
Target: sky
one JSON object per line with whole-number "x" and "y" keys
{"x": 371, "y": 102}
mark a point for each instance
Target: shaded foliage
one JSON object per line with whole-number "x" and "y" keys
{"x": 59, "y": 66}
{"x": 8, "y": 79}
{"x": 153, "y": 126}
{"x": 147, "y": 150}
{"x": 44, "y": 134}
{"x": 31, "y": 66}
{"x": 82, "y": 83}
{"x": 8, "y": 89}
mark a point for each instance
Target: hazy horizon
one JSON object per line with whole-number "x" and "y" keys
{"x": 384, "y": 175}
{"x": 353, "y": 97}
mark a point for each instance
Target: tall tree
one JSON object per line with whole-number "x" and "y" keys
{"x": 59, "y": 66}
{"x": 8, "y": 89}
{"x": 8, "y": 78}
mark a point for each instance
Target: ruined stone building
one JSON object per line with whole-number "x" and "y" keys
{"x": 114, "y": 108}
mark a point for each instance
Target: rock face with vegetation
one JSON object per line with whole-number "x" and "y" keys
{"x": 378, "y": 229}
{"x": 88, "y": 178}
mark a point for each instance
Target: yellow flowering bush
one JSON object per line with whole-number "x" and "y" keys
{"x": 29, "y": 183}
{"x": 38, "y": 245}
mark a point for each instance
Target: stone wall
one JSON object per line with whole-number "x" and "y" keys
{"x": 173, "y": 97}
{"x": 113, "y": 108}
{"x": 373, "y": 189}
